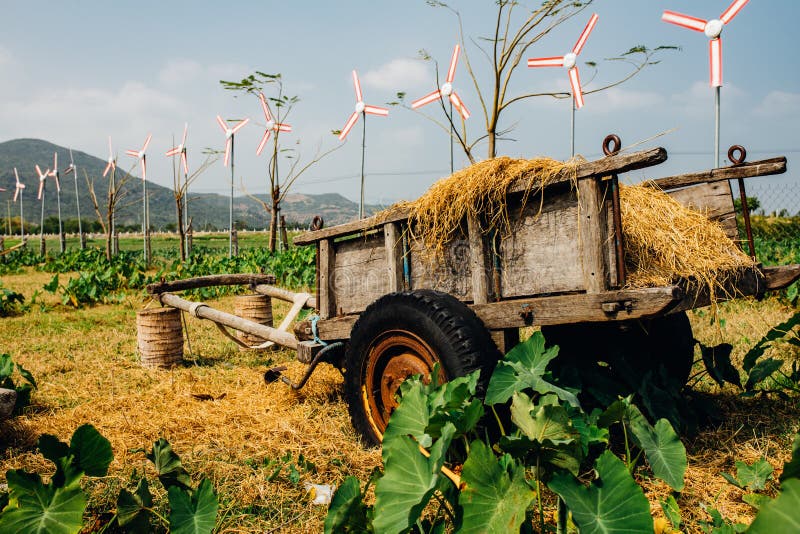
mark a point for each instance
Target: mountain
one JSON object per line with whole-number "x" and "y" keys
{"x": 207, "y": 210}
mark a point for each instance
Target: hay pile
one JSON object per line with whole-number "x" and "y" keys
{"x": 666, "y": 241}
{"x": 478, "y": 189}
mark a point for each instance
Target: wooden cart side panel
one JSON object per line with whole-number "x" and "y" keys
{"x": 543, "y": 253}
{"x": 713, "y": 199}
{"x": 359, "y": 274}
{"x": 450, "y": 274}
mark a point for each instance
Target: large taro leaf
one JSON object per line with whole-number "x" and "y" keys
{"x": 495, "y": 495}
{"x": 91, "y": 450}
{"x": 542, "y": 424}
{"x": 52, "y": 448}
{"x": 133, "y": 509}
{"x": 781, "y": 514}
{"x": 347, "y": 512}
{"x": 37, "y": 508}
{"x": 524, "y": 367}
{"x": 6, "y": 366}
{"x": 753, "y": 476}
{"x": 613, "y": 504}
{"x": 761, "y": 371}
{"x": 718, "y": 364}
{"x": 168, "y": 465}
{"x": 791, "y": 469}
{"x": 410, "y": 418}
{"x": 408, "y": 482}
{"x": 661, "y": 445}
{"x": 192, "y": 513}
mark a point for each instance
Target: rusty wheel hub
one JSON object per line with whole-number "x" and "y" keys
{"x": 394, "y": 356}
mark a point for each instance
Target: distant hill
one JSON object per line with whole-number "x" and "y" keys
{"x": 206, "y": 209}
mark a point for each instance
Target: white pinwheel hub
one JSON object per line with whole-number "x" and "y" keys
{"x": 713, "y": 28}
{"x": 360, "y": 107}
{"x": 228, "y": 133}
{"x": 270, "y": 125}
{"x": 570, "y": 59}
{"x": 447, "y": 89}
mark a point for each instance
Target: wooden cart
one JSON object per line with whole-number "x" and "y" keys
{"x": 386, "y": 311}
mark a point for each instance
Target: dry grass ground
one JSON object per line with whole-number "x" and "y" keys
{"x": 86, "y": 364}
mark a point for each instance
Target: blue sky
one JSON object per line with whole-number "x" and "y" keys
{"x": 75, "y": 72}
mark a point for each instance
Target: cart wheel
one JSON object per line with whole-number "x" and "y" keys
{"x": 629, "y": 348}
{"x": 404, "y": 334}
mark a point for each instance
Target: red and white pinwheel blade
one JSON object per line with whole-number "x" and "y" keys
{"x": 679, "y": 19}
{"x": 41, "y": 187}
{"x": 585, "y": 35}
{"x": 575, "y": 84}
{"x": 348, "y": 126}
{"x": 715, "y": 62}
{"x": 375, "y": 110}
{"x": 459, "y": 105}
{"x": 16, "y": 175}
{"x": 55, "y": 163}
{"x": 110, "y": 151}
{"x": 240, "y": 125}
{"x": 451, "y": 72}
{"x": 58, "y": 184}
{"x": 16, "y": 193}
{"x": 227, "y": 152}
{"x": 144, "y": 169}
{"x": 185, "y": 162}
{"x": 185, "y": 132}
{"x": 283, "y": 127}
{"x": 134, "y": 153}
{"x": 546, "y": 62}
{"x": 108, "y": 168}
{"x": 39, "y": 172}
{"x": 263, "y": 142}
{"x": 357, "y": 85}
{"x": 265, "y": 107}
{"x": 146, "y": 143}
{"x": 427, "y": 99}
{"x": 174, "y": 151}
{"x": 222, "y": 124}
{"x": 733, "y": 10}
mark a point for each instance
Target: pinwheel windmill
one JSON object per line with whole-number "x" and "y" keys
{"x": 40, "y": 196}
{"x": 568, "y": 61}
{"x": 112, "y": 166}
{"x": 18, "y": 193}
{"x": 361, "y": 110}
{"x": 713, "y": 30}
{"x": 55, "y": 174}
{"x": 229, "y": 134}
{"x": 172, "y": 152}
{"x": 271, "y": 125}
{"x": 112, "y": 161}
{"x": 72, "y": 169}
{"x": 141, "y": 156}
{"x": 447, "y": 91}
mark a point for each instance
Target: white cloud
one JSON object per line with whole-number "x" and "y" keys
{"x": 184, "y": 71}
{"x": 779, "y": 104}
{"x": 618, "y": 99}
{"x": 398, "y": 75}
{"x": 698, "y": 99}
{"x": 5, "y": 56}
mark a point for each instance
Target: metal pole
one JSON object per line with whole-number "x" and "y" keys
{"x": 144, "y": 215}
{"x": 186, "y": 206}
{"x": 42, "y": 246}
{"x": 61, "y": 241}
{"x": 363, "y": 151}
{"x": 78, "y": 204}
{"x": 230, "y": 227}
{"x": 572, "y": 129}
{"x": 452, "y": 169}
{"x": 21, "y": 220}
{"x": 8, "y": 210}
{"x": 716, "y": 127}
{"x": 112, "y": 222}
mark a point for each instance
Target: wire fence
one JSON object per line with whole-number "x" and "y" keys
{"x": 775, "y": 220}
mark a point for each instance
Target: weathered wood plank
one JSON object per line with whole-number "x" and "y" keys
{"x": 613, "y": 164}
{"x": 593, "y": 236}
{"x": 779, "y": 277}
{"x": 765, "y": 167}
{"x": 450, "y": 273}
{"x": 359, "y": 275}
{"x": 394, "y": 256}
{"x": 283, "y": 294}
{"x": 542, "y": 254}
{"x": 477, "y": 262}
{"x": 745, "y": 283}
{"x": 210, "y": 281}
{"x": 327, "y": 262}
{"x": 714, "y": 200}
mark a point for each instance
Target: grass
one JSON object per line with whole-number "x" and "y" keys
{"x": 86, "y": 364}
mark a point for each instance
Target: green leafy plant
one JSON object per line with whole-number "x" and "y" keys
{"x": 24, "y": 388}
{"x": 11, "y": 302}
{"x": 751, "y": 477}
{"x": 56, "y": 507}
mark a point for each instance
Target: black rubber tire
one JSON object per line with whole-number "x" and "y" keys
{"x": 639, "y": 345}
{"x": 457, "y": 339}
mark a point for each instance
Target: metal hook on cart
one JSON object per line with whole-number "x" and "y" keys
{"x": 611, "y": 146}
{"x": 737, "y": 155}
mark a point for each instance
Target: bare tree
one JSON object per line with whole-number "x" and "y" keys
{"x": 116, "y": 194}
{"x": 180, "y": 187}
{"x": 515, "y": 29}
{"x": 279, "y": 108}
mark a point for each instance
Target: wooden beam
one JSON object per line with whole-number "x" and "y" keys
{"x": 394, "y": 256}
{"x": 593, "y": 235}
{"x": 477, "y": 261}
{"x": 765, "y": 167}
{"x": 327, "y": 264}
{"x": 781, "y": 276}
{"x": 283, "y": 294}
{"x": 210, "y": 281}
{"x": 376, "y": 221}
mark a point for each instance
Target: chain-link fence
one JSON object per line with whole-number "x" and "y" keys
{"x": 775, "y": 219}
